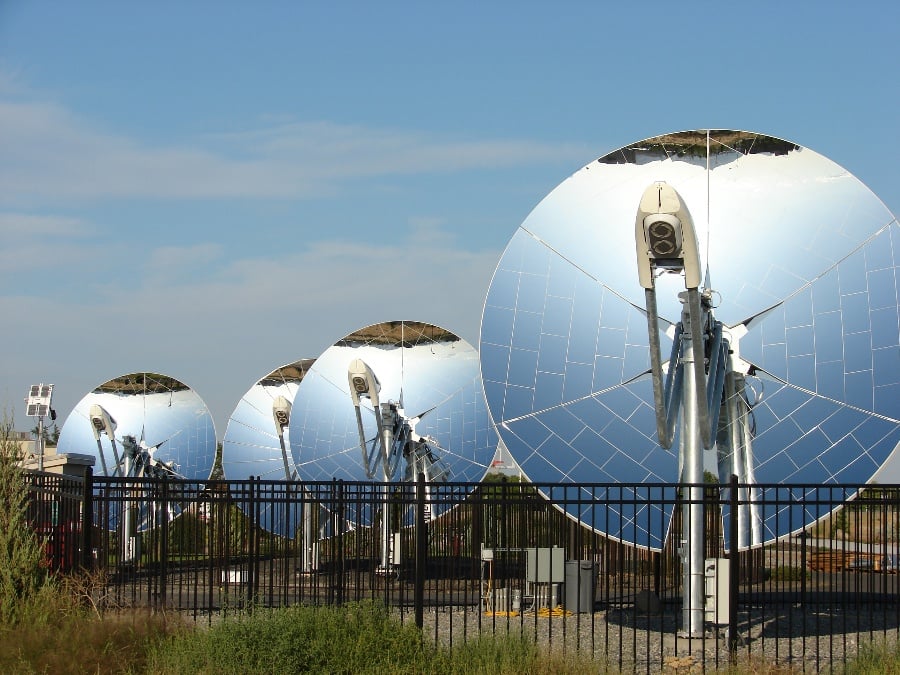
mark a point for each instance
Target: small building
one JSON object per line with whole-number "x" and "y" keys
{"x": 67, "y": 464}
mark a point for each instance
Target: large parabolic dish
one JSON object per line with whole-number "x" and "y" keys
{"x": 802, "y": 261}
{"x": 254, "y": 438}
{"x": 430, "y": 373}
{"x": 165, "y": 418}
{"x": 143, "y": 425}
{"x": 257, "y": 442}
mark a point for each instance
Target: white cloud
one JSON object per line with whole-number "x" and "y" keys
{"x": 219, "y": 325}
{"x": 341, "y": 151}
{"x": 48, "y": 153}
{"x": 29, "y": 226}
{"x": 330, "y": 278}
{"x": 33, "y": 244}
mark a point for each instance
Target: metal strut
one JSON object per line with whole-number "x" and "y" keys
{"x": 396, "y": 439}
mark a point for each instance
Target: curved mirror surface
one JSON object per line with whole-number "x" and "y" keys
{"x": 430, "y": 373}
{"x": 801, "y": 261}
{"x": 257, "y": 442}
{"x": 166, "y": 418}
{"x": 254, "y": 436}
{"x": 143, "y": 425}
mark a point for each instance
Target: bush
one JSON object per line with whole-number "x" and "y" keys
{"x": 354, "y": 638}
{"x": 23, "y": 572}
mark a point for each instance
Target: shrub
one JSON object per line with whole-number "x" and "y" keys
{"x": 354, "y": 638}
{"x": 23, "y": 571}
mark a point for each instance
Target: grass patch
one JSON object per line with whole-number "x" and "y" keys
{"x": 355, "y": 638}
{"x": 359, "y": 638}
{"x": 77, "y": 642}
{"x": 876, "y": 658}
{"x": 509, "y": 655}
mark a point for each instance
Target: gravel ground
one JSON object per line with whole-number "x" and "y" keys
{"x": 804, "y": 640}
{"x": 808, "y": 640}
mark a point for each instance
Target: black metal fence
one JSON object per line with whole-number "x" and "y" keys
{"x": 557, "y": 563}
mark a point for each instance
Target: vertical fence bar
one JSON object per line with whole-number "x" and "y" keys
{"x": 337, "y": 544}
{"x": 253, "y": 513}
{"x": 421, "y": 544}
{"x": 87, "y": 519}
{"x": 164, "y": 541}
{"x": 734, "y": 570}
{"x": 803, "y": 567}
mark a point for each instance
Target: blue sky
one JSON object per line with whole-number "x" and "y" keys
{"x": 212, "y": 190}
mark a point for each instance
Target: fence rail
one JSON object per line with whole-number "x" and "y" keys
{"x": 557, "y": 563}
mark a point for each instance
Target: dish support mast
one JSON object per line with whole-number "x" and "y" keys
{"x": 396, "y": 439}
{"x": 701, "y": 391}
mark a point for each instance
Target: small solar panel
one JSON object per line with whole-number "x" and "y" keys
{"x": 38, "y": 402}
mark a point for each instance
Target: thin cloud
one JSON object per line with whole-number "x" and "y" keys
{"x": 35, "y": 243}
{"x": 50, "y": 153}
{"x": 352, "y": 151}
{"x": 175, "y": 257}
{"x": 328, "y": 277}
{"x": 227, "y": 323}
{"x": 196, "y": 286}
{"x": 30, "y": 226}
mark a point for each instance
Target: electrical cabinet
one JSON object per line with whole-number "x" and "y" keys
{"x": 716, "y": 576}
{"x": 545, "y": 565}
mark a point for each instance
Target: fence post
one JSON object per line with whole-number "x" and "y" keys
{"x": 339, "y": 541}
{"x": 251, "y": 541}
{"x": 421, "y": 545}
{"x": 803, "y": 566}
{"x": 164, "y": 540}
{"x": 87, "y": 518}
{"x": 733, "y": 568}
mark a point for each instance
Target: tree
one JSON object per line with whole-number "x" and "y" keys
{"x": 50, "y": 433}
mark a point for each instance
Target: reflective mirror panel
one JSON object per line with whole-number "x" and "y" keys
{"x": 433, "y": 376}
{"x": 143, "y": 425}
{"x": 254, "y": 435}
{"x": 802, "y": 261}
{"x": 170, "y": 424}
{"x": 257, "y": 441}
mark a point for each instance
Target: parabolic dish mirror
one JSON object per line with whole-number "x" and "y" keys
{"x": 143, "y": 425}
{"x": 425, "y": 371}
{"x": 801, "y": 259}
{"x": 256, "y": 442}
{"x": 253, "y": 437}
{"x": 165, "y": 417}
